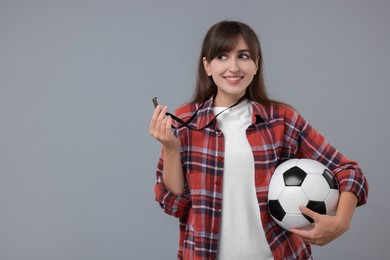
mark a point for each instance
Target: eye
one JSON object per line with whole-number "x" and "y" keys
{"x": 244, "y": 56}
{"x": 222, "y": 57}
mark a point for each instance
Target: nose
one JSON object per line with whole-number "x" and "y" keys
{"x": 233, "y": 65}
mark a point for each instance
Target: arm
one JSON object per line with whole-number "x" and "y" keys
{"x": 170, "y": 186}
{"x": 173, "y": 172}
{"x": 303, "y": 141}
{"x": 161, "y": 130}
{"x": 308, "y": 143}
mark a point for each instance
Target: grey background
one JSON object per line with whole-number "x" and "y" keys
{"x": 76, "y": 81}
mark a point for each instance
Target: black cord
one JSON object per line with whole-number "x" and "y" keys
{"x": 186, "y": 123}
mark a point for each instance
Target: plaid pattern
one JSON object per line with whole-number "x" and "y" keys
{"x": 278, "y": 133}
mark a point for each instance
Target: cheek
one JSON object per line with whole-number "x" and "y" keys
{"x": 252, "y": 72}
{"x": 216, "y": 78}
{"x": 217, "y": 68}
{"x": 216, "y": 73}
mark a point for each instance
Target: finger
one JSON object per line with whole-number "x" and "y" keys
{"x": 168, "y": 126}
{"x": 305, "y": 235}
{"x": 308, "y": 212}
{"x": 153, "y": 121}
{"x": 161, "y": 115}
{"x": 166, "y": 129}
{"x": 160, "y": 118}
{"x": 300, "y": 232}
{"x": 163, "y": 127}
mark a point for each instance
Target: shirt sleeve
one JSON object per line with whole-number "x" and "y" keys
{"x": 309, "y": 143}
{"x": 177, "y": 206}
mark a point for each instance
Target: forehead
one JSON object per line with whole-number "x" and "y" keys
{"x": 240, "y": 45}
{"x": 230, "y": 45}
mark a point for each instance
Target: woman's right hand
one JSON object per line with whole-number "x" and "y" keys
{"x": 161, "y": 128}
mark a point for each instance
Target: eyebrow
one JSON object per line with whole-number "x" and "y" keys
{"x": 245, "y": 50}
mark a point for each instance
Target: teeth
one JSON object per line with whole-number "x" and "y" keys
{"x": 231, "y": 78}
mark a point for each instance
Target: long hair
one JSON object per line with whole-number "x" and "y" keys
{"x": 221, "y": 38}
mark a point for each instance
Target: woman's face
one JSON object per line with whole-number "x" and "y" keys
{"x": 232, "y": 72}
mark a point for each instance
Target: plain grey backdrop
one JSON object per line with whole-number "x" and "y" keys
{"x": 77, "y": 164}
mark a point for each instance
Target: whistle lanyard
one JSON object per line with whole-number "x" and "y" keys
{"x": 187, "y": 123}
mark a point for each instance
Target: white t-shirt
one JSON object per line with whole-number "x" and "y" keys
{"x": 242, "y": 235}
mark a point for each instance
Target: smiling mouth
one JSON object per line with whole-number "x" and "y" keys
{"x": 234, "y": 79}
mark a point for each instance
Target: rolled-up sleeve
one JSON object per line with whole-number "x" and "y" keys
{"x": 309, "y": 143}
{"x": 171, "y": 204}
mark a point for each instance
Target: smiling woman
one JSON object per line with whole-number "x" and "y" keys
{"x": 214, "y": 173}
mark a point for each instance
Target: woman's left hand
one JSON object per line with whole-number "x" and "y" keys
{"x": 325, "y": 228}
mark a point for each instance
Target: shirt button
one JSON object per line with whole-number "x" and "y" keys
{"x": 220, "y": 158}
{"x": 219, "y": 133}
{"x": 217, "y": 208}
{"x": 215, "y": 230}
{"x": 218, "y": 183}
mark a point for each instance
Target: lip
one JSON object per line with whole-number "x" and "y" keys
{"x": 233, "y": 79}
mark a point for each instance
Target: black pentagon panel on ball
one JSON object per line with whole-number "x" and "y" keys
{"x": 330, "y": 179}
{"x": 276, "y": 209}
{"x": 294, "y": 176}
{"x": 317, "y": 206}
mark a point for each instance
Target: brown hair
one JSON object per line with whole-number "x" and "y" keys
{"x": 221, "y": 38}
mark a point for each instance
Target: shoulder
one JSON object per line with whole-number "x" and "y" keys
{"x": 280, "y": 111}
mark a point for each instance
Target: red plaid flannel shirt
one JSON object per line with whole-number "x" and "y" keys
{"x": 277, "y": 133}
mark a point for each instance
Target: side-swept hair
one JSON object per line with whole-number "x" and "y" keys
{"x": 221, "y": 38}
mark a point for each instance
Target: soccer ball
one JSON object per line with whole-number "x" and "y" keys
{"x": 301, "y": 182}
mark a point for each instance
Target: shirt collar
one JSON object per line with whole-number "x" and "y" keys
{"x": 206, "y": 114}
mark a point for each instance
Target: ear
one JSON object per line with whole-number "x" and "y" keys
{"x": 206, "y": 66}
{"x": 257, "y": 64}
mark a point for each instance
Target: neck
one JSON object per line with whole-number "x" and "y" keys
{"x": 230, "y": 102}
{"x": 227, "y": 102}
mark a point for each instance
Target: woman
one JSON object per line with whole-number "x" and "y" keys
{"x": 216, "y": 164}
